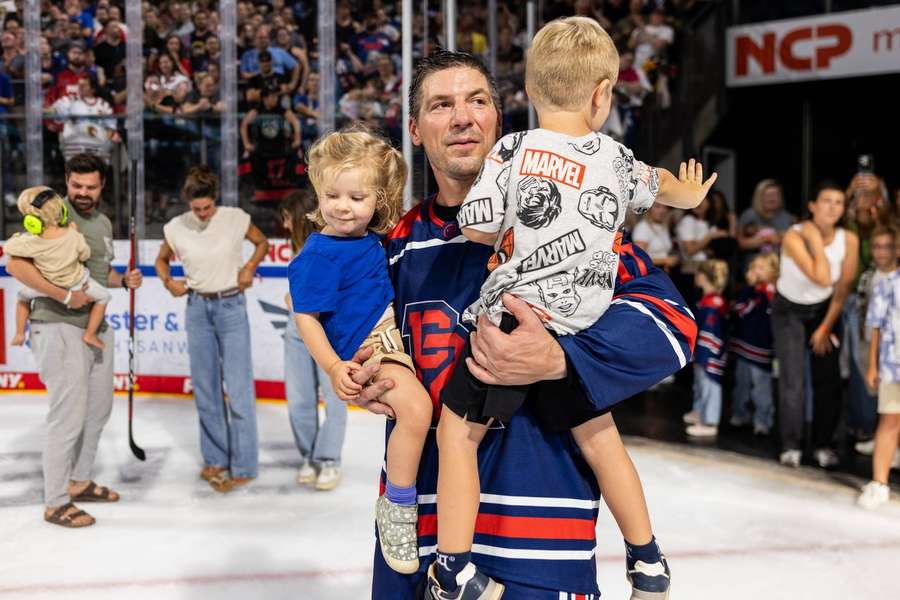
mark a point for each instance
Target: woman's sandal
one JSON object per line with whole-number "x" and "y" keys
{"x": 96, "y": 493}
{"x": 66, "y": 515}
{"x": 208, "y": 473}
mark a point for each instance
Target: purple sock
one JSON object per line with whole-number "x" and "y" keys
{"x": 405, "y": 496}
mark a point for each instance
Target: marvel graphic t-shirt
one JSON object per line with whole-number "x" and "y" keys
{"x": 556, "y": 202}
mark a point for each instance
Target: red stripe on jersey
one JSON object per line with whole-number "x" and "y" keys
{"x": 404, "y": 227}
{"x": 629, "y": 250}
{"x": 540, "y": 528}
{"x": 686, "y": 325}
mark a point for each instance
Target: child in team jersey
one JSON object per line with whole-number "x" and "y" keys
{"x": 58, "y": 251}
{"x": 343, "y": 302}
{"x": 551, "y": 201}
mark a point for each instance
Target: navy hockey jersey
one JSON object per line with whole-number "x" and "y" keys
{"x": 711, "y": 311}
{"x": 752, "y": 330}
{"x": 539, "y": 500}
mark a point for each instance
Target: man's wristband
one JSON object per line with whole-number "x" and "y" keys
{"x": 67, "y": 298}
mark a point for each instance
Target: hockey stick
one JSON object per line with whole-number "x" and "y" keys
{"x": 132, "y": 262}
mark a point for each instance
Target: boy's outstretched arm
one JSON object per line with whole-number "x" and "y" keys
{"x": 688, "y": 189}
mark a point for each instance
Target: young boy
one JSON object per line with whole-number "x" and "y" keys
{"x": 551, "y": 200}
{"x": 751, "y": 345}
{"x": 883, "y": 373}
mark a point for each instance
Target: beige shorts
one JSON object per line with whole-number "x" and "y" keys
{"x": 388, "y": 344}
{"x": 888, "y": 398}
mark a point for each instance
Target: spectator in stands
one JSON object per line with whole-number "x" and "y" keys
{"x": 694, "y": 235}
{"x": 204, "y": 99}
{"x": 264, "y": 79}
{"x": 196, "y": 40}
{"x": 371, "y": 39}
{"x": 181, "y": 16}
{"x": 12, "y": 63}
{"x": 154, "y": 30}
{"x": 51, "y": 63}
{"x": 92, "y": 70}
{"x": 175, "y": 50}
{"x": 631, "y": 89}
{"x": 67, "y": 79}
{"x": 246, "y": 39}
{"x": 818, "y": 265}
{"x": 209, "y": 240}
{"x": 652, "y": 234}
{"x": 764, "y": 223}
{"x": 721, "y": 217}
{"x": 306, "y": 105}
{"x": 346, "y": 27}
{"x": 624, "y": 27}
{"x": 364, "y": 104}
{"x": 349, "y": 69}
{"x": 468, "y": 34}
{"x": 295, "y": 45}
{"x": 510, "y": 57}
{"x": 85, "y": 131}
{"x": 282, "y": 62}
{"x": 110, "y": 50}
{"x": 650, "y": 43}
{"x": 173, "y": 82}
{"x": 319, "y": 445}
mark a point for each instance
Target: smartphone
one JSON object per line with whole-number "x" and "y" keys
{"x": 865, "y": 163}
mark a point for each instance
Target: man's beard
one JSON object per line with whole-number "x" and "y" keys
{"x": 80, "y": 203}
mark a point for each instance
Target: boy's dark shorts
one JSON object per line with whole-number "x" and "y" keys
{"x": 557, "y": 405}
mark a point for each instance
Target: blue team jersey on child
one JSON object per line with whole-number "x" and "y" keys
{"x": 710, "y": 352}
{"x": 752, "y": 334}
{"x": 346, "y": 281}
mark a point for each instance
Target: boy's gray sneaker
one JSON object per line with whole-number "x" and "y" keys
{"x": 473, "y": 585}
{"x": 397, "y": 535}
{"x": 649, "y": 581}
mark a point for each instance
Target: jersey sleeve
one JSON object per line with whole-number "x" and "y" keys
{"x": 18, "y": 245}
{"x": 313, "y": 281}
{"x": 485, "y": 204}
{"x": 611, "y": 362}
{"x": 640, "y": 181}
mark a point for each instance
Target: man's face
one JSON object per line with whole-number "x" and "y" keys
{"x": 262, "y": 38}
{"x": 84, "y": 88}
{"x": 457, "y": 121}
{"x": 8, "y": 39}
{"x": 201, "y": 20}
{"x": 84, "y": 190}
{"x": 76, "y": 57}
{"x": 265, "y": 66}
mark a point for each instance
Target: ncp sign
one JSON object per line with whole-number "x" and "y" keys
{"x": 844, "y": 44}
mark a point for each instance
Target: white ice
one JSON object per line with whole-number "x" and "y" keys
{"x": 734, "y": 528}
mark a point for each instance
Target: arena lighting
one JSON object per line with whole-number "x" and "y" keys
{"x": 34, "y": 98}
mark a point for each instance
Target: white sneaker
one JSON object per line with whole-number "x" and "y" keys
{"x": 759, "y": 429}
{"x": 691, "y": 418}
{"x": 827, "y": 458}
{"x": 701, "y": 430}
{"x": 867, "y": 447}
{"x": 306, "y": 474}
{"x": 790, "y": 458}
{"x": 329, "y": 476}
{"x": 873, "y": 495}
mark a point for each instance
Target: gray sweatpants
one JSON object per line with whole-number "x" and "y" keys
{"x": 79, "y": 381}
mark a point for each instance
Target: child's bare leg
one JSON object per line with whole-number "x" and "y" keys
{"x": 412, "y": 407}
{"x": 620, "y": 485}
{"x": 458, "y": 488}
{"x": 94, "y": 319}
{"x": 886, "y": 438}
{"x": 23, "y": 311}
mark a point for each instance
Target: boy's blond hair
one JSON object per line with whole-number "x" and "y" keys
{"x": 568, "y": 58}
{"x": 716, "y": 272}
{"x": 360, "y": 148}
{"x": 49, "y": 213}
{"x": 770, "y": 261}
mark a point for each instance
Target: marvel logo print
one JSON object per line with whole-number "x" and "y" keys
{"x": 552, "y": 166}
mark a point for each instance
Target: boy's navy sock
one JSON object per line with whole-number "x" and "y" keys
{"x": 405, "y": 496}
{"x": 648, "y": 553}
{"x": 449, "y": 566}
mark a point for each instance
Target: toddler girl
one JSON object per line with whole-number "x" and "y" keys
{"x": 342, "y": 300}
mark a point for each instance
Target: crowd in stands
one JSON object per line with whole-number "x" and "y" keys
{"x": 278, "y": 74}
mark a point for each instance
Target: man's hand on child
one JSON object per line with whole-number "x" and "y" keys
{"x": 372, "y": 390}
{"x": 79, "y": 298}
{"x": 342, "y": 381}
{"x": 691, "y": 177}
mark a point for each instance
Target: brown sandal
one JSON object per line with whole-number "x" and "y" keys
{"x": 96, "y": 493}
{"x": 224, "y": 484}
{"x": 65, "y": 516}
{"x": 208, "y": 473}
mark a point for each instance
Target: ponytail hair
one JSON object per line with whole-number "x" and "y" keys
{"x": 201, "y": 182}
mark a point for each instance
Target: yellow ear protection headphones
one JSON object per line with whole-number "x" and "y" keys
{"x": 33, "y": 223}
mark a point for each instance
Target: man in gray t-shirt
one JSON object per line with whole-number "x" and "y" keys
{"x": 78, "y": 377}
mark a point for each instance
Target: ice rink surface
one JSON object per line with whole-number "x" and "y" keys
{"x": 733, "y": 528}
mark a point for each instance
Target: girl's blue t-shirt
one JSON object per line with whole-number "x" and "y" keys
{"x": 346, "y": 281}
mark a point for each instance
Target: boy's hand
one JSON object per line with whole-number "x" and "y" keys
{"x": 691, "y": 177}
{"x": 341, "y": 374}
{"x": 872, "y": 377}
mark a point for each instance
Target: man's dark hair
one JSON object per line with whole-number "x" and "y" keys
{"x": 440, "y": 61}
{"x": 86, "y": 163}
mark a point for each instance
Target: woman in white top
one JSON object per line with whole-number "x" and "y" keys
{"x": 694, "y": 234}
{"x": 209, "y": 239}
{"x": 818, "y": 264}
{"x": 652, "y": 235}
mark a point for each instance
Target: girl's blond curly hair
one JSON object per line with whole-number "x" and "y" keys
{"x": 360, "y": 148}
{"x": 716, "y": 272}
{"x": 49, "y": 213}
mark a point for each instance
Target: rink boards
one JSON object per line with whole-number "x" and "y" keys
{"x": 162, "y": 361}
